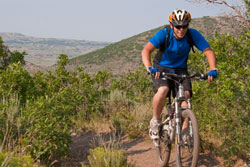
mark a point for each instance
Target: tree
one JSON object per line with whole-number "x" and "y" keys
{"x": 241, "y": 12}
{"x": 7, "y": 57}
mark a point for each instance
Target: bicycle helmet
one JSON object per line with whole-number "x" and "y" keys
{"x": 179, "y": 17}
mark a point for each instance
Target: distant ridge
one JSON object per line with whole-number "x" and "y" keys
{"x": 44, "y": 51}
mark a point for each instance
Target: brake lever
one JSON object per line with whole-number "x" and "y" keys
{"x": 203, "y": 77}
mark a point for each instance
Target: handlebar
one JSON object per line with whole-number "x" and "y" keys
{"x": 182, "y": 77}
{"x": 201, "y": 77}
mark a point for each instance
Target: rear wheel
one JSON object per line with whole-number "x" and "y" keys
{"x": 187, "y": 151}
{"x": 164, "y": 148}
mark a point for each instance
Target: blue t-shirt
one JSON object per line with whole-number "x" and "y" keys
{"x": 176, "y": 55}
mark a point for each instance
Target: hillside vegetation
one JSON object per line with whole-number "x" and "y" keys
{"x": 125, "y": 55}
{"x": 43, "y": 52}
{"x": 40, "y": 111}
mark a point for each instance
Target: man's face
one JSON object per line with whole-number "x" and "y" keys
{"x": 180, "y": 31}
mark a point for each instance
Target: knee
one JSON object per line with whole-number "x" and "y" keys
{"x": 162, "y": 91}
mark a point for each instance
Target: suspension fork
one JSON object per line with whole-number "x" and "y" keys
{"x": 177, "y": 120}
{"x": 190, "y": 122}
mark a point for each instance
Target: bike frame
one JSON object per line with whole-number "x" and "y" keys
{"x": 174, "y": 118}
{"x": 171, "y": 128}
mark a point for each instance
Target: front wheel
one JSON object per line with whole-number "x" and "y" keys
{"x": 164, "y": 148}
{"x": 163, "y": 153}
{"x": 187, "y": 151}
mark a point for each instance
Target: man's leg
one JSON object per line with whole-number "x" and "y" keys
{"x": 159, "y": 100}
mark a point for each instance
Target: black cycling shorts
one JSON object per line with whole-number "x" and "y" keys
{"x": 170, "y": 83}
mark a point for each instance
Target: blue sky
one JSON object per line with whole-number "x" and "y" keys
{"x": 95, "y": 20}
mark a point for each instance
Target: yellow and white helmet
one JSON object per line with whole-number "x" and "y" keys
{"x": 179, "y": 17}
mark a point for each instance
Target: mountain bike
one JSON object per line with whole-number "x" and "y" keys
{"x": 186, "y": 142}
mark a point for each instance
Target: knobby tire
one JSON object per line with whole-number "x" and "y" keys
{"x": 180, "y": 149}
{"x": 164, "y": 149}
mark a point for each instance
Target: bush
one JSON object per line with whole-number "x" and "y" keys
{"x": 222, "y": 107}
{"x": 7, "y": 159}
{"x": 128, "y": 116}
{"x": 136, "y": 85}
{"x": 105, "y": 157}
{"x": 16, "y": 80}
{"x": 48, "y": 126}
{"x": 42, "y": 109}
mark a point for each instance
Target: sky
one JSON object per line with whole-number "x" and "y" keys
{"x": 93, "y": 20}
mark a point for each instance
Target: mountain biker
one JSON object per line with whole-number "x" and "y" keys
{"x": 174, "y": 60}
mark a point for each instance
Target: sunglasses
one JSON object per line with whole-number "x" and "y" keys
{"x": 183, "y": 27}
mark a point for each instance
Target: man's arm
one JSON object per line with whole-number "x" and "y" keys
{"x": 211, "y": 61}
{"x": 146, "y": 57}
{"x": 146, "y": 54}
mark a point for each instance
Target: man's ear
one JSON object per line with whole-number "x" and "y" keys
{"x": 171, "y": 25}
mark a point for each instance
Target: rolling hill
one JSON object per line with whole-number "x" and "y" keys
{"x": 125, "y": 55}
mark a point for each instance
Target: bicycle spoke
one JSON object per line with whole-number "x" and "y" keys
{"x": 187, "y": 151}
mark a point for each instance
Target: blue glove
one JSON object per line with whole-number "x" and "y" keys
{"x": 153, "y": 70}
{"x": 213, "y": 73}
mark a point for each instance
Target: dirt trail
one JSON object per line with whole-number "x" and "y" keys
{"x": 140, "y": 152}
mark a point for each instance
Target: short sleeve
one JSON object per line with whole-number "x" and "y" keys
{"x": 199, "y": 41}
{"x": 158, "y": 38}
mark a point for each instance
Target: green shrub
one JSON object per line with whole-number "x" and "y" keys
{"x": 48, "y": 127}
{"x": 16, "y": 80}
{"x": 42, "y": 109}
{"x": 222, "y": 107}
{"x": 7, "y": 57}
{"x": 135, "y": 122}
{"x": 127, "y": 116}
{"x": 137, "y": 85}
{"x": 105, "y": 157}
{"x": 7, "y": 159}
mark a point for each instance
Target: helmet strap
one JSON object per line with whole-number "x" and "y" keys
{"x": 171, "y": 25}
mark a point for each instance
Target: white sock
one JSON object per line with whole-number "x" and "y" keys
{"x": 156, "y": 121}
